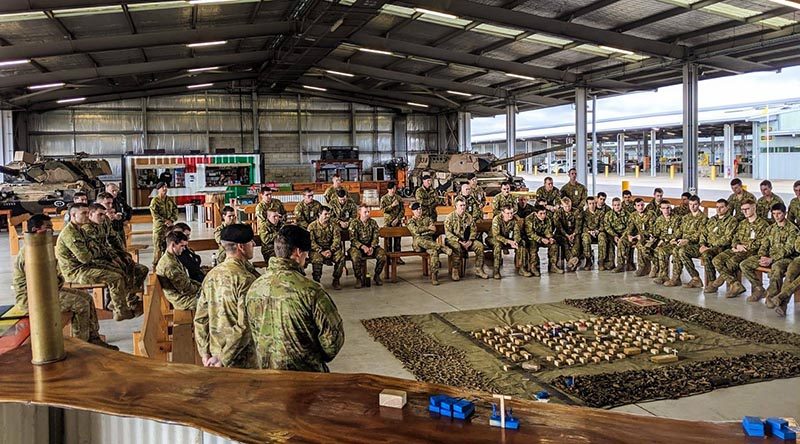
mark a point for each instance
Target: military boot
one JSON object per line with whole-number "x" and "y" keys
{"x": 496, "y": 274}
{"x": 674, "y": 282}
{"x": 524, "y": 273}
{"x": 480, "y": 273}
{"x": 643, "y": 270}
{"x": 602, "y": 266}
{"x": 455, "y": 273}
{"x": 757, "y": 294}
{"x": 572, "y": 264}
{"x": 435, "y": 278}
{"x": 336, "y": 285}
{"x": 659, "y": 280}
{"x": 556, "y": 270}
{"x": 735, "y": 289}
{"x": 781, "y": 302}
{"x": 316, "y": 272}
{"x": 588, "y": 265}
{"x": 619, "y": 268}
{"x": 535, "y": 272}
{"x": 377, "y": 279}
{"x": 653, "y": 271}
{"x": 694, "y": 283}
{"x": 715, "y": 284}
{"x": 359, "y": 282}
{"x": 123, "y": 314}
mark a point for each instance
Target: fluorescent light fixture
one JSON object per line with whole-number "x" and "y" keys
{"x": 436, "y": 13}
{"x": 200, "y": 85}
{"x": 46, "y": 86}
{"x": 74, "y": 100}
{"x": 206, "y": 2}
{"x": 315, "y": 88}
{"x": 210, "y": 68}
{"x": 519, "y": 76}
{"x": 421, "y": 105}
{"x": 612, "y": 49}
{"x": 339, "y": 73}
{"x": 787, "y": 3}
{"x": 200, "y": 45}
{"x": 459, "y": 93}
{"x": 375, "y": 51}
{"x": 15, "y": 62}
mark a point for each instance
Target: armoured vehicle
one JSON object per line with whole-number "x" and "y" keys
{"x": 32, "y": 184}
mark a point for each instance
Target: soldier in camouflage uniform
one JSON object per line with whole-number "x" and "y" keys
{"x": 179, "y": 289}
{"x": 593, "y": 233}
{"x": 164, "y": 211}
{"x": 266, "y": 204}
{"x": 767, "y": 200}
{"x": 84, "y": 323}
{"x": 615, "y": 222}
{"x": 267, "y": 230}
{"x": 693, "y": 225}
{"x": 627, "y": 202}
{"x": 343, "y": 210}
{"x": 474, "y": 207}
{"x": 654, "y": 206}
{"x": 332, "y": 191}
{"x": 116, "y": 241}
{"x": 326, "y": 247}
{"x": 294, "y": 323}
{"x": 500, "y": 200}
{"x": 540, "y": 233}
{"x": 780, "y": 302}
{"x": 682, "y": 209}
{"x": 793, "y": 214}
{"x": 221, "y": 328}
{"x": 550, "y": 194}
{"x": 715, "y": 239}
{"x": 775, "y": 252}
{"x": 477, "y": 191}
{"x": 307, "y": 210}
{"x": 523, "y": 208}
{"x": 76, "y": 261}
{"x": 569, "y": 225}
{"x": 574, "y": 190}
{"x": 602, "y": 207}
{"x": 461, "y": 233}
{"x": 639, "y": 235}
{"x": 746, "y": 242}
{"x": 428, "y": 197}
{"x": 667, "y": 229}
{"x": 364, "y": 244}
{"x": 739, "y": 195}
{"x": 393, "y": 214}
{"x": 423, "y": 232}
{"x": 228, "y": 218}
{"x": 507, "y": 234}
{"x": 109, "y": 250}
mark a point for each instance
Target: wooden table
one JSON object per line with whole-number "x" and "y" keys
{"x": 261, "y": 406}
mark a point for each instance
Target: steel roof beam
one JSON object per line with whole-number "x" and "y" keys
{"x": 19, "y": 6}
{"x": 357, "y": 98}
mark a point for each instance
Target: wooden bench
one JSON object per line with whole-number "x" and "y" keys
{"x": 98, "y": 296}
{"x": 761, "y": 271}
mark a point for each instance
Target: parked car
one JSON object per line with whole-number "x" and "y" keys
{"x": 556, "y": 166}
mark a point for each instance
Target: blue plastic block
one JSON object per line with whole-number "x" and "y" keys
{"x": 753, "y": 426}
{"x": 542, "y": 394}
{"x": 784, "y": 433}
{"x": 776, "y": 422}
{"x": 463, "y": 405}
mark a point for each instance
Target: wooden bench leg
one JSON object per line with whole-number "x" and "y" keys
{"x": 394, "y": 270}
{"x": 425, "y": 269}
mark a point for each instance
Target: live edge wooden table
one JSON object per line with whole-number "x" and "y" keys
{"x": 266, "y": 406}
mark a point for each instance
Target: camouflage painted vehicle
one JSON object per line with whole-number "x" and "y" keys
{"x": 32, "y": 185}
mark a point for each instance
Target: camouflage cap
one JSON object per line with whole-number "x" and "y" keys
{"x": 237, "y": 233}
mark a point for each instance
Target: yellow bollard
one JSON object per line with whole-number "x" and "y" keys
{"x": 626, "y": 185}
{"x": 713, "y": 172}
{"x": 606, "y": 171}
{"x": 672, "y": 171}
{"x": 636, "y": 172}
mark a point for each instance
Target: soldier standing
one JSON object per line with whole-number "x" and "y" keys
{"x": 307, "y": 210}
{"x": 775, "y": 252}
{"x": 693, "y": 225}
{"x": 423, "y": 231}
{"x": 767, "y": 200}
{"x": 667, "y": 231}
{"x": 499, "y": 201}
{"x": 77, "y": 302}
{"x": 326, "y": 247}
{"x": 550, "y": 194}
{"x": 794, "y": 206}
{"x": 221, "y": 329}
{"x": 715, "y": 239}
{"x": 343, "y": 209}
{"x": 574, "y": 190}
{"x": 461, "y": 234}
{"x": 228, "y": 218}
{"x": 569, "y": 224}
{"x": 364, "y": 244}
{"x": 639, "y": 236}
{"x": 739, "y": 195}
{"x": 267, "y": 230}
{"x": 294, "y": 323}
{"x": 393, "y": 214}
{"x": 427, "y": 196}
{"x": 593, "y": 233}
{"x": 164, "y": 211}
{"x": 506, "y": 233}
{"x": 539, "y": 231}
{"x": 179, "y": 289}
{"x": 746, "y": 242}
{"x": 333, "y": 190}
{"x": 615, "y": 222}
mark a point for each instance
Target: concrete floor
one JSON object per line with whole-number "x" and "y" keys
{"x": 414, "y": 295}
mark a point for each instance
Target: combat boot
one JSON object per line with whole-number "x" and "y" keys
{"x": 714, "y": 285}
{"x": 735, "y": 289}
{"x": 694, "y": 283}
{"x": 556, "y": 270}
{"x": 757, "y": 294}
{"x": 336, "y": 285}
{"x": 454, "y": 274}
{"x": 619, "y": 268}
{"x": 770, "y": 302}
{"x": 672, "y": 282}
{"x": 643, "y": 270}
{"x": 536, "y": 272}
{"x": 435, "y": 278}
{"x": 123, "y": 314}
{"x": 588, "y": 265}
{"x": 659, "y": 280}
{"x": 631, "y": 267}
{"x": 377, "y": 279}
{"x": 602, "y": 267}
{"x": 358, "y": 282}
{"x": 496, "y": 274}
{"x": 653, "y": 271}
{"x": 781, "y": 304}
{"x": 480, "y": 273}
{"x": 524, "y": 273}
{"x": 100, "y": 342}
{"x": 572, "y": 264}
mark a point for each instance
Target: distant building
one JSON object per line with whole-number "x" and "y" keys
{"x": 776, "y": 150}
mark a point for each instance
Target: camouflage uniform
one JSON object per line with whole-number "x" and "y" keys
{"x": 593, "y": 221}
{"x": 717, "y": 236}
{"x": 393, "y": 216}
{"x": 474, "y": 207}
{"x": 268, "y": 231}
{"x": 749, "y": 234}
{"x": 218, "y": 239}
{"x": 654, "y": 207}
{"x": 330, "y": 194}
{"x": 778, "y": 245}
{"x": 134, "y": 273}
{"x": 498, "y": 202}
{"x": 428, "y": 198}
{"x": 535, "y": 231}
{"x": 78, "y": 302}
{"x": 326, "y": 237}
{"x": 180, "y": 290}
{"x": 735, "y": 203}
{"x": 462, "y": 228}
{"x": 366, "y": 234}
{"x": 294, "y": 323}
{"x": 764, "y": 206}
{"x": 793, "y": 212}
{"x": 629, "y": 207}
{"x": 343, "y": 212}
{"x": 76, "y": 261}
{"x": 220, "y": 322}
{"x": 641, "y": 224}
{"x": 425, "y": 241}
{"x": 692, "y": 229}
{"x": 273, "y": 205}
{"x": 792, "y": 282}
{"x": 552, "y": 197}
{"x": 680, "y": 210}
{"x": 577, "y": 193}
{"x": 305, "y": 213}
{"x": 503, "y": 233}
{"x": 666, "y": 231}
{"x": 567, "y": 224}
{"x": 523, "y": 211}
{"x": 162, "y": 210}
{"x": 479, "y": 194}
{"x": 614, "y": 226}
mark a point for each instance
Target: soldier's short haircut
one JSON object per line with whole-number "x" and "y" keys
{"x": 538, "y": 208}
{"x": 548, "y": 178}
{"x": 337, "y": 176}
{"x": 79, "y": 194}
{"x": 176, "y": 237}
{"x": 96, "y": 207}
{"x": 723, "y": 202}
{"x": 341, "y": 192}
{"x": 686, "y": 194}
{"x": 325, "y": 208}
{"x": 506, "y": 207}
{"x": 796, "y": 184}
{"x": 590, "y": 199}
{"x": 747, "y": 201}
{"x": 665, "y": 202}
{"x": 77, "y": 206}
{"x": 626, "y": 193}
{"x": 459, "y": 199}
{"x": 306, "y": 190}
{"x": 543, "y": 202}
{"x": 616, "y": 199}
{"x": 228, "y": 209}
{"x": 266, "y": 189}
{"x": 565, "y": 200}
{"x": 161, "y": 185}
{"x": 602, "y": 194}
{"x": 779, "y": 207}
{"x": 104, "y": 195}
{"x": 182, "y": 226}
{"x": 637, "y": 200}
{"x": 37, "y": 221}
{"x": 390, "y": 185}
{"x": 363, "y": 205}
{"x": 766, "y": 183}
{"x": 694, "y": 198}
{"x": 290, "y": 237}
{"x": 736, "y": 181}
{"x": 571, "y": 170}
{"x": 658, "y": 190}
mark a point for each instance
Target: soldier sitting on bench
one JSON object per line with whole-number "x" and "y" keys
{"x": 364, "y": 244}
{"x": 326, "y": 247}
{"x": 423, "y": 231}
{"x": 506, "y": 233}
{"x": 179, "y": 289}
{"x": 461, "y": 234}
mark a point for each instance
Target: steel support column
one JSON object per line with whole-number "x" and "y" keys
{"x": 256, "y": 135}
{"x": 690, "y": 127}
{"x": 464, "y": 131}
{"x": 727, "y": 151}
{"x": 580, "y": 134}
{"x": 653, "y": 155}
{"x": 511, "y": 134}
{"x": 621, "y": 154}
{"x": 549, "y": 157}
{"x": 595, "y": 151}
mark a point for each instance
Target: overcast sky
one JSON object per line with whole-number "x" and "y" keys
{"x": 746, "y": 88}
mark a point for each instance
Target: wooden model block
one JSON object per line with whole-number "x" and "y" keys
{"x": 395, "y": 399}
{"x": 632, "y": 351}
{"x": 664, "y": 359}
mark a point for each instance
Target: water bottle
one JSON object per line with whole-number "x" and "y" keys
{"x": 213, "y": 260}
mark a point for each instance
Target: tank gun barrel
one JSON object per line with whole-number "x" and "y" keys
{"x": 523, "y": 156}
{"x": 10, "y": 171}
